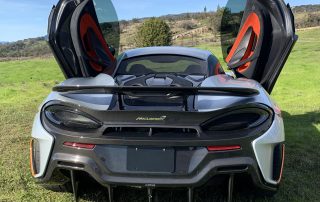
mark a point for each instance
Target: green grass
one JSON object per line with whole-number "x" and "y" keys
{"x": 24, "y": 84}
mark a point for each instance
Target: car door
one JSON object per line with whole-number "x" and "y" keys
{"x": 263, "y": 42}
{"x": 84, "y": 45}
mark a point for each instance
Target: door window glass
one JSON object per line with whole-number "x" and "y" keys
{"x": 230, "y": 24}
{"x": 109, "y": 23}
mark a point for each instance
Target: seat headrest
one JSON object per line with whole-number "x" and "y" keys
{"x": 194, "y": 69}
{"x": 138, "y": 69}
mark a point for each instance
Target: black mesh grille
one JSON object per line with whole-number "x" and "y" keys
{"x": 151, "y": 132}
{"x": 277, "y": 161}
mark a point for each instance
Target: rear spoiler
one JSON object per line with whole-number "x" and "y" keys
{"x": 156, "y": 91}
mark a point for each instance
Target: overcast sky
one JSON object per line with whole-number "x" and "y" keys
{"x": 20, "y": 19}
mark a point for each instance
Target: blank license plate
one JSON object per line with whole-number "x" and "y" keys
{"x": 151, "y": 159}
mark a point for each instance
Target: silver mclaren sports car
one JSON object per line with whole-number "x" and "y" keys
{"x": 162, "y": 117}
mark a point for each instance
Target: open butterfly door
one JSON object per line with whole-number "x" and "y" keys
{"x": 84, "y": 45}
{"x": 264, "y": 39}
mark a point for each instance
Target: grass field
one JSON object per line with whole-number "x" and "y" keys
{"x": 24, "y": 84}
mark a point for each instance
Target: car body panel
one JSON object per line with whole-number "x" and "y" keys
{"x": 169, "y": 50}
{"x": 265, "y": 39}
{"x": 264, "y": 148}
{"x": 205, "y": 105}
{"x": 71, "y": 23}
{"x": 46, "y": 143}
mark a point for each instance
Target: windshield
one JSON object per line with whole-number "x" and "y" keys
{"x": 161, "y": 64}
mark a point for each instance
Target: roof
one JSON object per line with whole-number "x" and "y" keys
{"x": 168, "y": 50}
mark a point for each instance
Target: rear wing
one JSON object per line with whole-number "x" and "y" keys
{"x": 156, "y": 91}
{"x": 170, "y": 92}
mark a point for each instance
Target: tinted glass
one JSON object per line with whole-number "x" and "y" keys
{"x": 230, "y": 24}
{"x": 109, "y": 22}
{"x": 162, "y": 64}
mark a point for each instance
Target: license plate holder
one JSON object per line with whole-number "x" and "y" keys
{"x": 160, "y": 160}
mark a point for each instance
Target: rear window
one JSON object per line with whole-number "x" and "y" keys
{"x": 161, "y": 64}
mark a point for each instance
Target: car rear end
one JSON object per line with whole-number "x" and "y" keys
{"x": 118, "y": 144}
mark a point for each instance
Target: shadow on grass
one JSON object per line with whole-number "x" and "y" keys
{"x": 300, "y": 180}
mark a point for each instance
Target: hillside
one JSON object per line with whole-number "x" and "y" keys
{"x": 307, "y": 16}
{"x": 189, "y": 29}
{"x": 36, "y": 47}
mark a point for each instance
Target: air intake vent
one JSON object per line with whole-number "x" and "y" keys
{"x": 278, "y": 158}
{"x": 151, "y": 132}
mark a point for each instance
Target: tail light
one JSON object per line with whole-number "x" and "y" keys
{"x": 79, "y": 145}
{"x": 224, "y": 148}
{"x": 277, "y": 111}
{"x": 70, "y": 118}
{"x": 246, "y": 118}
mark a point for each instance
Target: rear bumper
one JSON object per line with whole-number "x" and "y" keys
{"x": 196, "y": 167}
{"x": 194, "y": 164}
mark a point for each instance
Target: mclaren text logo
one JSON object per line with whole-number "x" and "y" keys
{"x": 161, "y": 118}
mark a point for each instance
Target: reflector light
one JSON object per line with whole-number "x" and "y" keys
{"x": 33, "y": 172}
{"x": 79, "y": 145}
{"x": 223, "y": 148}
{"x": 282, "y": 163}
{"x": 277, "y": 110}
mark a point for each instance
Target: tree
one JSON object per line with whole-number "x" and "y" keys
{"x": 221, "y": 20}
{"x": 154, "y": 32}
{"x": 215, "y": 20}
